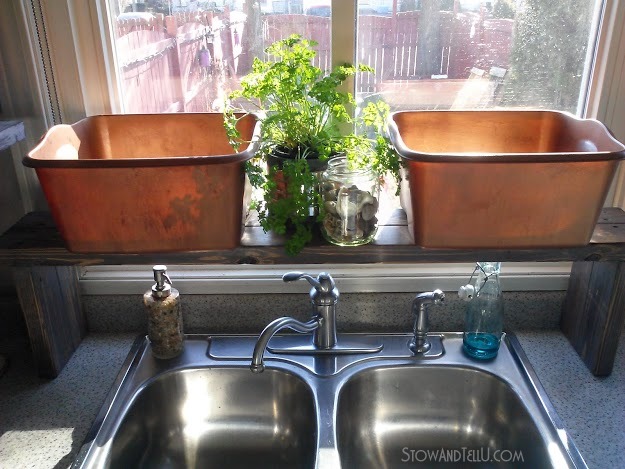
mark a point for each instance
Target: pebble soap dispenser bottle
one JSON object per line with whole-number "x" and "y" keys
{"x": 483, "y": 322}
{"x": 162, "y": 304}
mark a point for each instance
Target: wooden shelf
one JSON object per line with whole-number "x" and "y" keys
{"x": 34, "y": 240}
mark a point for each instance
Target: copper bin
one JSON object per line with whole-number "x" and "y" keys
{"x": 503, "y": 179}
{"x": 145, "y": 183}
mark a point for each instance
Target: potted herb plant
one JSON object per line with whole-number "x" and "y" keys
{"x": 301, "y": 111}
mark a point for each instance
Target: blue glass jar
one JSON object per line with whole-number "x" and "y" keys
{"x": 483, "y": 323}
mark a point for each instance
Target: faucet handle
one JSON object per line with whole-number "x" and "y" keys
{"x": 323, "y": 290}
{"x": 323, "y": 283}
{"x": 293, "y": 276}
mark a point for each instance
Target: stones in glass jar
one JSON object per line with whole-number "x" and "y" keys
{"x": 350, "y": 213}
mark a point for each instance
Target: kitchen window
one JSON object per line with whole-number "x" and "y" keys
{"x": 428, "y": 54}
{"x": 185, "y": 55}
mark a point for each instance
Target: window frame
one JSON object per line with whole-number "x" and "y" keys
{"x": 606, "y": 87}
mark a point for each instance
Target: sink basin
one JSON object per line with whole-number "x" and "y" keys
{"x": 206, "y": 409}
{"x": 388, "y": 417}
{"x": 209, "y": 417}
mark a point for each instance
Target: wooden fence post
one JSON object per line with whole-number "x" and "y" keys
{"x": 226, "y": 44}
{"x": 171, "y": 28}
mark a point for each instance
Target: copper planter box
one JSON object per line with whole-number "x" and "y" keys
{"x": 503, "y": 179}
{"x": 145, "y": 183}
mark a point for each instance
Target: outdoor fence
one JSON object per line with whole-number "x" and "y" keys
{"x": 171, "y": 64}
{"x": 187, "y": 62}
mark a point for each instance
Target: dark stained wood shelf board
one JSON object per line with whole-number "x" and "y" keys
{"x": 34, "y": 240}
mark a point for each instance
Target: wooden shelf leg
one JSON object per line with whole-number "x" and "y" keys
{"x": 594, "y": 312}
{"x": 51, "y": 305}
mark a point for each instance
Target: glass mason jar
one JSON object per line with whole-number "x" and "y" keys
{"x": 483, "y": 323}
{"x": 350, "y": 202}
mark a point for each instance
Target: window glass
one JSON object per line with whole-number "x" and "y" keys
{"x": 186, "y": 55}
{"x": 458, "y": 54}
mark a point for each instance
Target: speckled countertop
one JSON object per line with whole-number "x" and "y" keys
{"x": 43, "y": 423}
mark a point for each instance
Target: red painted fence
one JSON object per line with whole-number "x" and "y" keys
{"x": 188, "y": 62}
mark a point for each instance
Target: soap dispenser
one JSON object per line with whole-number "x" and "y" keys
{"x": 162, "y": 304}
{"x": 483, "y": 323}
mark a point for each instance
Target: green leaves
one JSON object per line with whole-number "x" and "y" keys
{"x": 303, "y": 107}
{"x": 289, "y": 194}
{"x": 370, "y": 146}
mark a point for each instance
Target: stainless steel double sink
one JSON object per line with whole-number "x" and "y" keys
{"x": 206, "y": 409}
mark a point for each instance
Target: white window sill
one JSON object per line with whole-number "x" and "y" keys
{"x": 381, "y": 278}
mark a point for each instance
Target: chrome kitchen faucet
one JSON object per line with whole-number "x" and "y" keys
{"x": 324, "y": 297}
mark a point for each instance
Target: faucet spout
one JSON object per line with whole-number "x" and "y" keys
{"x": 272, "y": 329}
